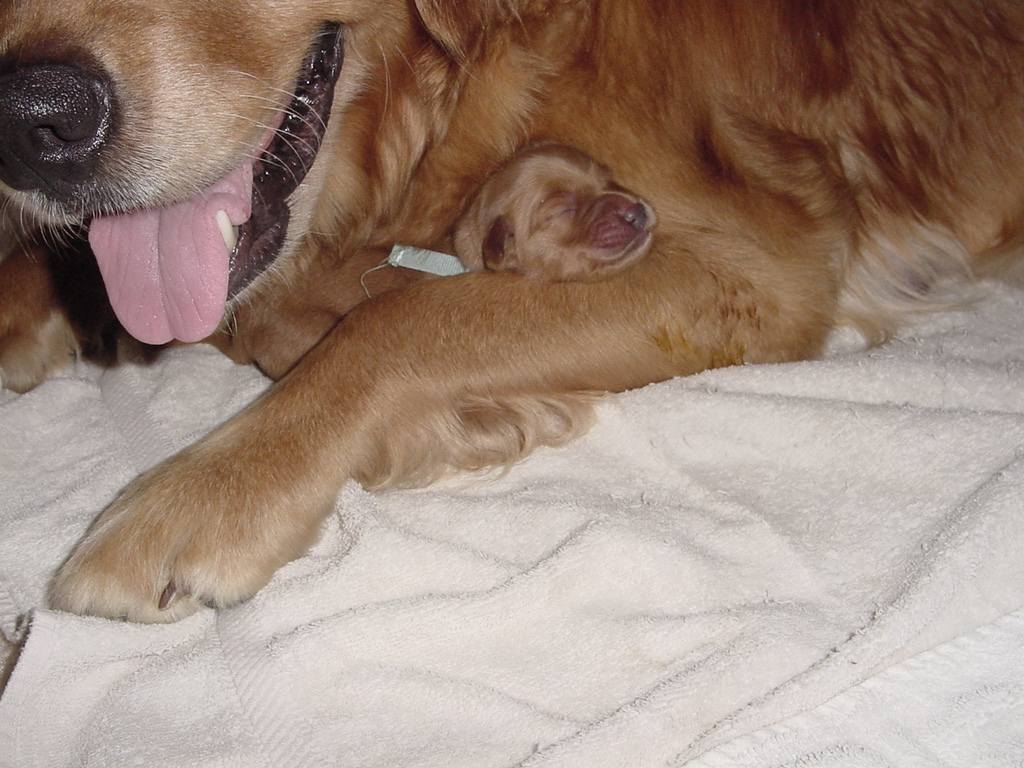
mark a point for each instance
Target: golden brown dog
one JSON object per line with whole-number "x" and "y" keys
{"x": 553, "y": 213}
{"x": 241, "y": 163}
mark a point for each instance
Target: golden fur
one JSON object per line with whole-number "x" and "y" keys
{"x": 812, "y": 162}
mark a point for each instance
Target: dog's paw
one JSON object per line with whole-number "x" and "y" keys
{"x": 34, "y": 349}
{"x": 37, "y": 339}
{"x": 192, "y": 532}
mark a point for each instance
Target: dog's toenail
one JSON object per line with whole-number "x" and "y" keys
{"x": 167, "y": 596}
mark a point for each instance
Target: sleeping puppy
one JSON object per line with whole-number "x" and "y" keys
{"x": 554, "y": 213}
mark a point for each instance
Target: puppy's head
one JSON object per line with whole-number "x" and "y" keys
{"x": 553, "y": 213}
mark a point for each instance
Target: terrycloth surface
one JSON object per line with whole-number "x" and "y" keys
{"x": 697, "y": 578}
{"x": 960, "y": 705}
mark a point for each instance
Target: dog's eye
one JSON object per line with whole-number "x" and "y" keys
{"x": 558, "y": 205}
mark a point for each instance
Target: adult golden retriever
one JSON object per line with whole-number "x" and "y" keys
{"x": 812, "y": 162}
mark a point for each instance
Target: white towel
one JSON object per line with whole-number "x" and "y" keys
{"x": 960, "y": 705}
{"x": 719, "y": 554}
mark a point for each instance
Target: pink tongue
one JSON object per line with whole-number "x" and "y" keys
{"x": 166, "y": 269}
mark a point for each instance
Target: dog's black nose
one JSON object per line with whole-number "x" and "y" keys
{"x": 54, "y": 121}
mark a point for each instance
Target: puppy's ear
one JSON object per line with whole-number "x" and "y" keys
{"x": 498, "y": 249}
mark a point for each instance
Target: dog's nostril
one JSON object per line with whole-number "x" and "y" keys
{"x": 54, "y": 121}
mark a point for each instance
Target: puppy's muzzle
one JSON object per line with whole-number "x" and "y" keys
{"x": 54, "y": 122}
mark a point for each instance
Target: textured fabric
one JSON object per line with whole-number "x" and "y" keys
{"x": 721, "y": 555}
{"x": 959, "y": 705}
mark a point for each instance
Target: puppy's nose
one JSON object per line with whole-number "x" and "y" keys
{"x": 636, "y": 216}
{"x": 54, "y": 121}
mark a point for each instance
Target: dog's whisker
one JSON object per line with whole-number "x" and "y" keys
{"x": 262, "y": 81}
{"x": 310, "y": 146}
{"x": 319, "y": 125}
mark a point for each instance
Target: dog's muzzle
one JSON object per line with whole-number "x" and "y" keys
{"x": 169, "y": 269}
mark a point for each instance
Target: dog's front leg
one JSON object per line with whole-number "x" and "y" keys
{"x": 406, "y": 375}
{"x": 212, "y": 524}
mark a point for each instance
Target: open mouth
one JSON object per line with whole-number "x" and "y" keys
{"x": 170, "y": 271}
{"x": 283, "y": 165}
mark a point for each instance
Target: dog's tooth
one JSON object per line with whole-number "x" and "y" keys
{"x": 227, "y": 230}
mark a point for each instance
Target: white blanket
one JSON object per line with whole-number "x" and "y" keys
{"x": 746, "y": 567}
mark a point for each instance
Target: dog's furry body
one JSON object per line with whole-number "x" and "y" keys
{"x": 812, "y": 162}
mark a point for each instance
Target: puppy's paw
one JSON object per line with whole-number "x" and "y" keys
{"x": 192, "y": 532}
